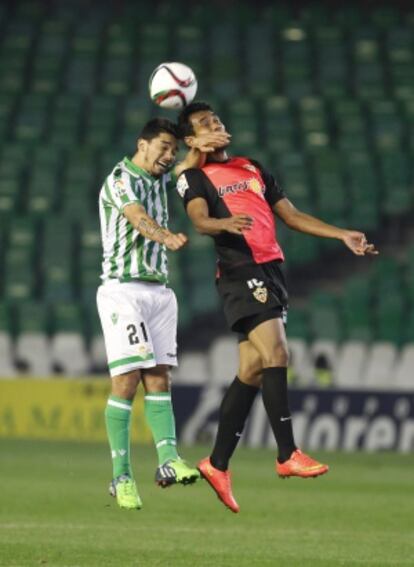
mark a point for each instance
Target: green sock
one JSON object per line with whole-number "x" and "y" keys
{"x": 160, "y": 418}
{"x": 118, "y": 418}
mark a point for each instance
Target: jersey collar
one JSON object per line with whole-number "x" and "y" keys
{"x": 135, "y": 169}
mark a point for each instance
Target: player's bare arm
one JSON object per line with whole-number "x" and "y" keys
{"x": 200, "y": 147}
{"x": 197, "y": 210}
{"x": 147, "y": 226}
{"x": 302, "y": 222}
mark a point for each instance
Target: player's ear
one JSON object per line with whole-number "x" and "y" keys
{"x": 189, "y": 141}
{"x": 141, "y": 144}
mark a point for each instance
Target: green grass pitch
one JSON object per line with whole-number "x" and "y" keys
{"x": 55, "y": 512}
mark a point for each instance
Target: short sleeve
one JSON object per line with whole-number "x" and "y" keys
{"x": 191, "y": 184}
{"x": 119, "y": 189}
{"x": 274, "y": 192}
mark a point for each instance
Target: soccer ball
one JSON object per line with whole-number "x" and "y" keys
{"x": 172, "y": 85}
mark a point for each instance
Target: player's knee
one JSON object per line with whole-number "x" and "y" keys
{"x": 157, "y": 379}
{"x": 124, "y": 387}
{"x": 277, "y": 356}
{"x": 250, "y": 371}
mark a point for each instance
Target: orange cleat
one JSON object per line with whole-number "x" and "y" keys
{"x": 300, "y": 464}
{"x": 220, "y": 482}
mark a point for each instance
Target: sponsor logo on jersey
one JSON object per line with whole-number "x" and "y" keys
{"x": 241, "y": 186}
{"x": 120, "y": 188}
{"x": 182, "y": 185}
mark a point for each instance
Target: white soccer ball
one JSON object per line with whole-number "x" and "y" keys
{"x": 172, "y": 85}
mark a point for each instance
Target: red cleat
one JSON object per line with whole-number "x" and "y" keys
{"x": 220, "y": 482}
{"x": 300, "y": 464}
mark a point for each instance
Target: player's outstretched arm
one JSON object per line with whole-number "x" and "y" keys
{"x": 197, "y": 210}
{"x": 199, "y": 148}
{"x": 297, "y": 220}
{"x": 150, "y": 229}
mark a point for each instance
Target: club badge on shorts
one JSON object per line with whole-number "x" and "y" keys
{"x": 260, "y": 293}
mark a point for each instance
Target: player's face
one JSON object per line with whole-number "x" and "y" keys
{"x": 159, "y": 153}
{"x": 205, "y": 122}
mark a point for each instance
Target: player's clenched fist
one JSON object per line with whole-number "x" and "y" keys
{"x": 175, "y": 241}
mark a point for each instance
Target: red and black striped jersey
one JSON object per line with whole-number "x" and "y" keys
{"x": 238, "y": 186}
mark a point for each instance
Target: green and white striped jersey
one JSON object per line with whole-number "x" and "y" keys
{"x": 127, "y": 255}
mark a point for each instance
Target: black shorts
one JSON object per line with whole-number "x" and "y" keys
{"x": 252, "y": 294}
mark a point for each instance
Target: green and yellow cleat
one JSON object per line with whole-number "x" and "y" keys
{"x": 124, "y": 489}
{"x": 176, "y": 471}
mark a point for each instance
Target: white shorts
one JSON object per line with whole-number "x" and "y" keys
{"x": 139, "y": 323}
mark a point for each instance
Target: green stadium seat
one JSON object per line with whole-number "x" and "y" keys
{"x": 153, "y": 48}
{"x": 32, "y": 118}
{"x": 331, "y": 63}
{"x": 315, "y": 133}
{"x": 225, "y": 69}
{"x": 65, "y": 122}
{"x": 295, "y": 179}
{"x": 355, "y": 306}
{"x": 298, "y": 323}
{"x": 396, "y": 175}
{"x": 407, "y": 117}
{"x": 136, "y": 112}
{"x": 389, "y": 318}
{"x": 19, "y": 278}
{"x": 363, "y": 191}
{"x": 67, "y": 317}
{"x": 89, "y": 268}
{"x": 32, "y": 317}
{"x": 189, "y": 44}
{"x": 277, "y": 14}
{"x": 280, "y": 128}
{"x": 386, "y": 272}
{"x": 297, "y": 68}
{"x": 81, "y": 74}
{"x": 102, "y": 121}
{"x": 7, "y": 107}
{"x": 332, "y": 199}
{"x": 14, "y": 56}
{"x": 313, "y": 15}
{"x": 81, "y": 186}
{"x": 348, "y": 16}
{"x": 6, "y": 318}
{"x": 57, "y": 260}
{"x": 386, "y": 125}
{"x": 117, "y": 76}
{"x": 43, "y": 196}
{"x": 400, "y": 61}
{"x": 47, "y": 65}
{"x": 350, "y": 125}
{"x": 243, "y": 124}
{"x": 300, "y": 249}
{"x": 384, "y": 17}
{"x": 325, "y": 319}
{"x": 20, "y": 271}
{"x": 10, "y": 193}
{"x": 260, "y": 76}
